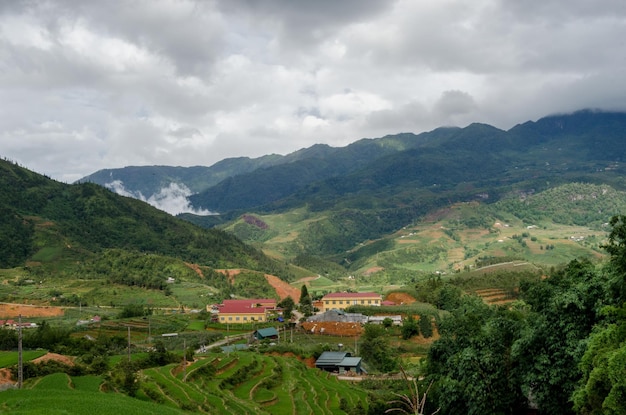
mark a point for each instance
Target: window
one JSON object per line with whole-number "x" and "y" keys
{"x": 362, "y": 302}
{"x": 230, "y": 319}
{"x": 237, "y": 318}
{"x": 340, "y": 301}
{"x": 245, "y": 318}
{"x": 369, "y": 301}
{"x": 334, "y": 302}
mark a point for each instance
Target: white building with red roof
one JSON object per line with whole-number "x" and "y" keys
{"x": 245, "y": 311}
{"x": 341, "y": 301}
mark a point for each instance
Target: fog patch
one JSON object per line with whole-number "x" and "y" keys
{"x": 171, "y": 199}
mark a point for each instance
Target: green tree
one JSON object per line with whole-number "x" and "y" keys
{"x": 565, "y": 308}
{"x": 472, "y": 363}
{"x": 603, "y": 384}
{"x": 426, "y": 326}
{"x": 306, "y": 304}
{"x": 410, "y": 327}
{"x": 287, "y": 304}
{"x": 376, "y": 351}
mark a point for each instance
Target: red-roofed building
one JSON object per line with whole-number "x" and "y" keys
{"x": 341, "y": 301}
{"x": 245, "y": 311}
{"x": 252, "y": 302}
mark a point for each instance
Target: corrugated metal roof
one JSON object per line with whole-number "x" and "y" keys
{"x": 331, "y": 358}
{"x": 267, "y": 332}
{"x": 350, "y": 362}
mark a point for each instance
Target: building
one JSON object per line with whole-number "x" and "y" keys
{"x": 246, "y": 311}
{"x": 340, "y": 301}
{"x": 252, "y": 302}
{"x": 339, "y": 362}
{"x": 266, "y": 333}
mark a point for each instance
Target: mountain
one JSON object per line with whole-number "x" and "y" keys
{"x": 340, "y": 204}
{"x": 50, "y": 224}
{"x": 582, "y": 146}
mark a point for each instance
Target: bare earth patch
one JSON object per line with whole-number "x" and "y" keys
{"x": 373, "y": 270}
{"x": 400, "y": 298}
{"x": 196, "y": 268}
{"x": 333, "y": 328}
{"x": 57, "y": 357}
{"x": 230, "y": 273}
{"x": 8, "y": 310}
{"x": 5, "y": 376}
{"x": 307, "y": 279}
{"x": 283, "y": 289}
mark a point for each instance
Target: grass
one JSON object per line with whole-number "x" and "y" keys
{"x": 296, "y": 389}
{"x": 87, "y": 383}
{"x": 39, "y": 401}
{"x": 10, "y": 358}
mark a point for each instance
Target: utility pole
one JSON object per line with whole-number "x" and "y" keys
{"x": 128, "y": 344}
{"x": 20, "y": 365}
{"x": 184, "y": 360}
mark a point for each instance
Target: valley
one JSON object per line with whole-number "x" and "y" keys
{"x": 486, "y": 248}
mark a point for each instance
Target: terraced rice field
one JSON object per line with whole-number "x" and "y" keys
{"x": 494, "y": 296}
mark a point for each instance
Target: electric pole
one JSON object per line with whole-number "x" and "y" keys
{"x": 20, "y": 365}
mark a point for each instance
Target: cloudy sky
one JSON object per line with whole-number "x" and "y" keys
{"x": 86, "y": 85}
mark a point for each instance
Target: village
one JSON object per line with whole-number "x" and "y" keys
{"x": 330, "y": 318}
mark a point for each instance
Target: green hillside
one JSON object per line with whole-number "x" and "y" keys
{"x": 242, "y": 383}
{"x": 60, "y": 240}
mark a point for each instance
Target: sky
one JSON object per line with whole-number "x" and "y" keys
{"x": 88, "y": 85}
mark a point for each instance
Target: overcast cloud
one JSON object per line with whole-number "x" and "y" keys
{"x": 87, "y": 85}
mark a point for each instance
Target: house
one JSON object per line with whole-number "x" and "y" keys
{"x": 266, "y": 333}
{"x": 338, "y": 316}
{"x": 340, "y": 301}
{"x": 251, "y": 302}
{"x": 340, "y": 362}
{"x": 245, "y": 311}
{"x": 350, "y": 364}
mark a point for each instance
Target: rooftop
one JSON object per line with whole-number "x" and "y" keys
{"x": 352, "y": 295}
{"x": 241, "y": 309}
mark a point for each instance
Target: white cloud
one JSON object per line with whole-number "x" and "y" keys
{"x": 171, "y": 199}
{"x": 91, "y": 85}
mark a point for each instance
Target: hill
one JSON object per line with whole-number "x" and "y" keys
{"x": 85, "y": 232}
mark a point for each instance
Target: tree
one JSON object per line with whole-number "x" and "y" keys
{"x": 387, "y": 322}
{"x": 306, "y": 304}
{"x": 472, "y": 363}
{"x": 603, "y": 384}
{"x": 376, "y": 351}
{"x": 287, "y": 304}
{"x": 426, "y": 326}
{"x": 410, "y": 327}
{"x": 565, "y": 309}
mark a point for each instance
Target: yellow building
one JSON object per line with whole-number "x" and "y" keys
{"x": 245, "y": 311}
{"x": 341, "y": 301}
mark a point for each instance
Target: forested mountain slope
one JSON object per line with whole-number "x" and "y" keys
{"x": 75, "y": 221}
